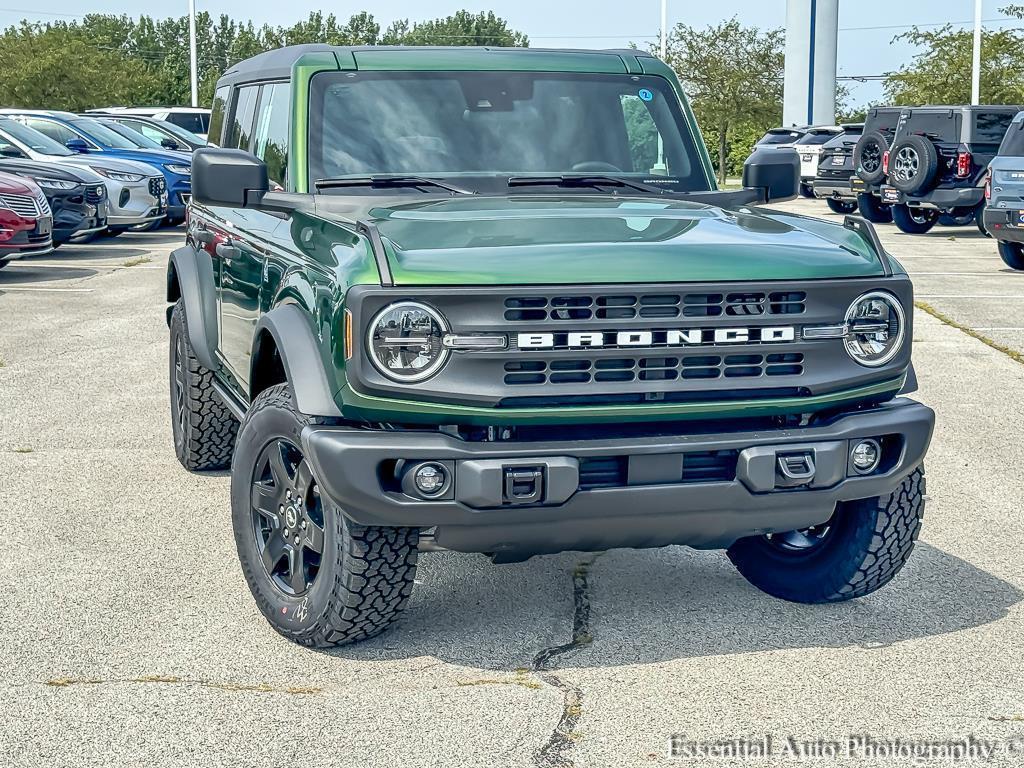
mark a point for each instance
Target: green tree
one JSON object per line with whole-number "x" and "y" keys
{"x": 105, "y": 59}
{"x": 733, "y": 76}
{"x": 940, "y": 73}
{"x": 464, "y": 28}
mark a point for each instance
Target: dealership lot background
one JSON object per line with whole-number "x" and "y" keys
{"x": 129, "y": 630}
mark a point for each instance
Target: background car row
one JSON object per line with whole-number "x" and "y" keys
{"x": 921, "y": 166}
{"x": 73, "y": 178}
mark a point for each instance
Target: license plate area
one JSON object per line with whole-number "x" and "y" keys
{"x": 890, "y": 195}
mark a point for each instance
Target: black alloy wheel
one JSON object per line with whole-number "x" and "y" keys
{"x": 804, "y": 540}
{"x": 287, "y": 517}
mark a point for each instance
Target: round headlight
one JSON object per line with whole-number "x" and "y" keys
{"x": 405, "y": 341}
{"x": 875, "y": 328}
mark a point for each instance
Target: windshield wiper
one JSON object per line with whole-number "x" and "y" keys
{"x": 590, "y": 180}
{"x": 390, "y": 181}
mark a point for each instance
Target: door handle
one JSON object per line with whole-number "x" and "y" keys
{"x": 227, "y": 251}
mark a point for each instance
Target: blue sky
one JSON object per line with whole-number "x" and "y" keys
{"x": 865, "y": 38}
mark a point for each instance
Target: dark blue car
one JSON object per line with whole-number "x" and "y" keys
{"x": 88, "y": 135}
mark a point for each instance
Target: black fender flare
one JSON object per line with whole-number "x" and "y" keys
{"x": 301, "y": 358}
{"x": 910, "y": 384}
{"x": 194, "y": 272}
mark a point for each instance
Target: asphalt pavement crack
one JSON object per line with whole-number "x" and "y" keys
{"x": 555, "y": 752}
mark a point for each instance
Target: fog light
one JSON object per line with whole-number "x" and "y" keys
{"x": 865, "y": 456}
{"x": 430, "y": 479}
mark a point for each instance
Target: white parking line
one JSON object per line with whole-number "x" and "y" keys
{"x": 966, "y": 274}
{"x": 968, "y": 296}
{"x": 26, "y": 288}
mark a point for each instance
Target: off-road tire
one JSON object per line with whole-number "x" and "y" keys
{"x": 207, "y": 439}
{"x": 979, "y": 219}
{"x": 365, "y": 574}
{"x": 806, "y": 190}
{"x": 871, "y": 146}
{"x": 873, "y": 209}
{"x": 951, "y": 219}
{"x": 841, "y": 206}
{"x": 924, "y": 175}
{"x": 868, "y": 542}
{"x": 1012, "y": 254}
{"x": 914, "y": 222}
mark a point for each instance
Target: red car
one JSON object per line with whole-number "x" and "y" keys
{"x": 26, "y": 223}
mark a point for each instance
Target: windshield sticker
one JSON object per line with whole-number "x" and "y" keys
{"x": 646, "y": 94}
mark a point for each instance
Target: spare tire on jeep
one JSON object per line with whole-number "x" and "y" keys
{"x": 867, "y": 156}
{"x": 913, "y": 164}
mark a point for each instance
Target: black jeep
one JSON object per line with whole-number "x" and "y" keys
{"x": 836, "y": 169}
{"x": 868, "y": 159}
{"x": 937, "y": 164}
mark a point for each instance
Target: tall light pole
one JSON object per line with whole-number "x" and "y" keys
{"x": 660, "y": 168}
{"x": 192, "y": 51}
{"x": 976, "y": 67}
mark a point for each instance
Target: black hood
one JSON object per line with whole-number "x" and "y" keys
{"x": 59, "y": 171}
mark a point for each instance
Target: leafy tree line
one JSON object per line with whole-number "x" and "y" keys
{"x": 102, "y": 60}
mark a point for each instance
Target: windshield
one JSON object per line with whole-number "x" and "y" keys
{"x": 134, "y": 137}
{"x": 815, "y": 138}
{"x": 780, "y": 137}
{"x": 33, "y": 139}
{"x": 501, "y": 123}
{"x": 102, "y": 134}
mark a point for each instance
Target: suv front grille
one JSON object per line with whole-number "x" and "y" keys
{"x": 26, "y": 206}
{"x": 627, "y": 369}
{"x": 157, "y": 185}
{"x": 95, "y": 194}
{"x": 658, "y": 306}
{"x": 632, "y": 344}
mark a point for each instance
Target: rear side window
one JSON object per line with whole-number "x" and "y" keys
{"x": 990, "y": 127}
{"x": 1013, "y": 141}
{"x": 242, "y": 116}
{"x": 220, "y": 108}
{"x": 271, "y": 144}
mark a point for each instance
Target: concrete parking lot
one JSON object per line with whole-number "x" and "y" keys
{"x": 129, "y": 636}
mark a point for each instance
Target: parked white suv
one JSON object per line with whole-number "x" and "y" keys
{"x": 194, "y": 119}
{"x": 809, "y": 147}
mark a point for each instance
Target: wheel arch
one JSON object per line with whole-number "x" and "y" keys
{"x": 190, "y": 279}
{"x": 284, "y": 345}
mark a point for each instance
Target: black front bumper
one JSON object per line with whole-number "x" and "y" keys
{"x": 652, "y": 504}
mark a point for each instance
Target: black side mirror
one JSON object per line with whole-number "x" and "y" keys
{"x": 774, "y": 172}
{"x": 169, "y": 143}
{"x": 9, "y": 150}
{"x": 228, "y": 177}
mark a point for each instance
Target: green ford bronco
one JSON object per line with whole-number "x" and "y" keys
{"x": 491, "y": 301}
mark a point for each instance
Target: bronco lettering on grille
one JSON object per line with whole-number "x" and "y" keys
{"x": 672, "y": 337}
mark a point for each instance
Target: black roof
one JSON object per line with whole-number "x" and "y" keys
{"x": 277, "y": 64}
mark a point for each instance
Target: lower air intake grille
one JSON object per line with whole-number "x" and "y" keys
{"x": 698, "y": 467}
